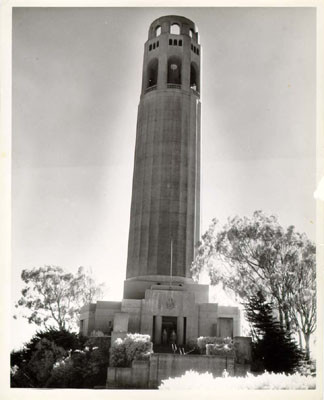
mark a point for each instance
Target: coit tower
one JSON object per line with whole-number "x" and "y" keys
{"x": 160, "y": 298}
{"x": 165, "y": 207}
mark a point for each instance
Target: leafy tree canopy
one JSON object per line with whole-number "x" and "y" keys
{"x": 255, "y": 254}
{"x": 53, "y": 296}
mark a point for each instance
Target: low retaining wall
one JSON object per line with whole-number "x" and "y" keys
{"x": 164, "y": 366}
{"x": 136, "y": 377}
{"x": 149, "y": 374}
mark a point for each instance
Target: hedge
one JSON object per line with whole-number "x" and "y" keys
{"x": 132, "y": 347}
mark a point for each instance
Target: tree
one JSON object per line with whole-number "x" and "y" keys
{"x": 59, "y": 358}
{"x": 257, "y": 254}
{"x": 53, "y": 296}
{"x": 84, "y": 368}
{"x": 62, "y": 338}
{"x": 35, "y": 370}
{"x": 272, "y": 345}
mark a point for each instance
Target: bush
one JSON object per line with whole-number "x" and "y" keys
{"x": 307, "y": 368}
{"x": 35, "y": 371}
{"x": 60, "y": 359}
{"x": 97, "y": 334}
{"x": 64, "y": 374}
{"x": 62, "y": 338}
{"x": 219, "y": 345}
{"x": 132, "y": 347}
{"x": 192, "y": 380}
{"x": 192, "y": 344}
{"x": 84, "y": 368}
{"x": 224, "y": 349}
{"x": 118, "y": 354}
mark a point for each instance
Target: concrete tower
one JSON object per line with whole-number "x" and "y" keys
{"x": 158, "y": 300}
{"x": 166, "y": 183}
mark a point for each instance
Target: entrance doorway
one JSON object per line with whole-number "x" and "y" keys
{"x": 169, "y": 330}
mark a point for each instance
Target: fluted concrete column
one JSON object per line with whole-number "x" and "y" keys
{"x": 158, "y": 329}
{"x": 166, "y": 187}
{"x": 180, "y": 324}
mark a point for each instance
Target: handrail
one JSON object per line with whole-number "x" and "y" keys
{"x": 173, "y": 86}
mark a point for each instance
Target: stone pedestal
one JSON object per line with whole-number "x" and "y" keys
{"x": 120, "y": 326}
{"x": 121, "y": 322}
{"x": 243, "y": 349}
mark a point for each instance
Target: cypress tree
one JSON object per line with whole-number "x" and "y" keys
{"x": 273, "y": 348}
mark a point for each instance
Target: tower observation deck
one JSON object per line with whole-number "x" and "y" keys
{"x": 165, "y": 203}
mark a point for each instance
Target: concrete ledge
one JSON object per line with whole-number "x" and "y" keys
{"x": 119, "y": 378}
{"x": 167, "y": 287}
{"x": 161, "y": 366}
{"x": 136, "y": 377}
{"x": 88, "y": 307}
{"x": 164, "y": 366}
{"x": 111, "y": 305}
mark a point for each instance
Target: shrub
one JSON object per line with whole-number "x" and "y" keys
{"x": 307, "y": 368}
{"x": 35, "y": 371}
{"x": 84, "y": 368}
{"x": 64, "y": 374}
{"x": 60, "y": 359}
{"x": 95, "y": 333}
{"x": 62, "y": 338}
{"x": 217, "y": 345}
{"x": 118, "y": 354}
{"x": 132, "y": 347}
{"x": 192, "y": 380}
{"x": 192, "y": 344}
{"x": 224, "y": 349}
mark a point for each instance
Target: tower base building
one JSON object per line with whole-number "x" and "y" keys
{"x": 159, "y": 309}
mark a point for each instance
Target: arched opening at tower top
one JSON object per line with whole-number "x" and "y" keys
{"x": 152, "y": 73}
{"x": 157, "y": 31}
{"x": 194, "y": 77}
{"x": 174, "y": 70}
{"x": 175, "y": 29}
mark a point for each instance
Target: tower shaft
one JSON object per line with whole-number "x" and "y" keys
{"x": 166, "y": 182}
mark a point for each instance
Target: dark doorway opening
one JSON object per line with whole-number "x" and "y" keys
{"x": 152, "y": 73}
{"x": 174, "y": 70}
{"x": 194, "y": 77}
{"x": 169, "y": 330}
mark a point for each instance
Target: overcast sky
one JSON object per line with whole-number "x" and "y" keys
{"x": 76, "y": 86}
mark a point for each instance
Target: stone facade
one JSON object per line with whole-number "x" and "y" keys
{"x": 167, "y": 308}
